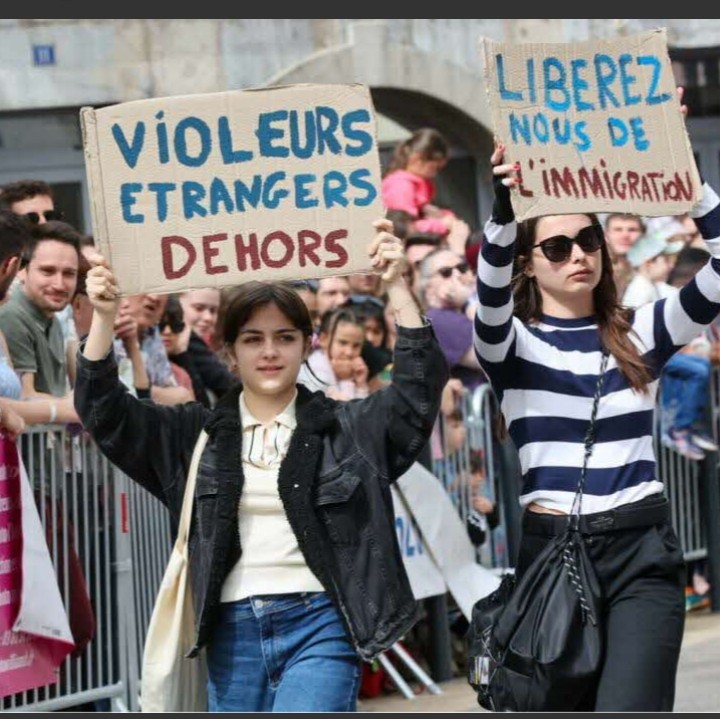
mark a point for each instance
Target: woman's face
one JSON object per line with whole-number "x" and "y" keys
{"x": 200, "y": 308}
{"x": 659, "y": 268}
{"x": 374, "y": 332}
{"x": 170, "y": 340}
{"x": 425, "y": 168}
{"x": 347, "y": 341}
{"x": 344, "y": 349}
{"x": 269, "y": 351}
{"x": 579, "y": 274}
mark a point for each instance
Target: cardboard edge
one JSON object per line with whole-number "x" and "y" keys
{"x": 485, "y": 47}
{"x": 267, "y": 88}
{"x": 93, "y": 170}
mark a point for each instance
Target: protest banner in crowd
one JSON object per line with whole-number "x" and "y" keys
{"x": 444, "y": 538}
{"x": 35, "y": 635}
{"x": 595, "y": 126}
{"x": 426, "y": 580}
{"x": 211, "y": 190}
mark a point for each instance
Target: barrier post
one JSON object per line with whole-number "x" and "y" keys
{"x": 710, "y": 501}
{"x": 440, "y": 656}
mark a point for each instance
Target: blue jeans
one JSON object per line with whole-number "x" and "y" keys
{"x": 684, "y": 393}
{"x": 282, "y": 653}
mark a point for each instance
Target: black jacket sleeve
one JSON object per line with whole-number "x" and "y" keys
{"x": 151, "y": 443}
{"x": 392, "y": 425}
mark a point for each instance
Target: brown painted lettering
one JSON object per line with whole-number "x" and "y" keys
{"x": 308, "y": 243}
{"x": 166, "y": 247}
{"x": 332, "y": 244}
{"x": 242, "y": 252}
{"x": 287, "y": 243}
{"x": 209, "y": 252}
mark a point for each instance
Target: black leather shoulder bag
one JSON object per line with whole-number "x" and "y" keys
{"x": 536, "y": 644}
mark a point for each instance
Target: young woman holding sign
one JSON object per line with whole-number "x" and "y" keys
{"x": 541, "y": 336}
{"x": 295, "y": 569}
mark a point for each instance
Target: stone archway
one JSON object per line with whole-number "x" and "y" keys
{"x": 412, "y": 87}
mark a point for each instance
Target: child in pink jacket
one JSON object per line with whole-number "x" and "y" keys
{"x": 409, "y": 186}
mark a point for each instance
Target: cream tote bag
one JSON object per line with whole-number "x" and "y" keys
{"x": 170, "y": 682}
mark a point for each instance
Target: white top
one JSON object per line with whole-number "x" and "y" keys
{"x": 323, "y": 378}
{"x": 271, "y": 561}
{"x": 641, "y": 290}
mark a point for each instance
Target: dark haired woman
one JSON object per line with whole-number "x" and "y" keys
{"x": 408, "y": 184}
{"x": 295, "y": 569}
{"x": 541, "y": 337}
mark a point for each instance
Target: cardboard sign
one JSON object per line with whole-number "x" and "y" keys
{"x": 218, "y": 189}
{"x": 595, "y": 126}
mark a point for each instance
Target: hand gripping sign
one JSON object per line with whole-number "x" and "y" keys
{"x": 216, "y": 189}
{"x": 595, "y": 126}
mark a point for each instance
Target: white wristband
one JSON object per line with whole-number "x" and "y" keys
{"x": 53, "y": 412}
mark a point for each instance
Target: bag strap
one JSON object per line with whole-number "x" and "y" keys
{"x": 569, "y": 557}
{"x": 589, "y": 444}
{"x": 189, "y": 496}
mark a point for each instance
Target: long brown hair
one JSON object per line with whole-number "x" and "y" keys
{"x": 614, "y": 322}
{"x": 428, "y": 142}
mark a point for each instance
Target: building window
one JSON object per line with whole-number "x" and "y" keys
{"x": 698, "y": 71}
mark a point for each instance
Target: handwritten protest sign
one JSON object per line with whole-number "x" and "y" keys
{"x": 217, "y": 189}
{"x": 595, "y": 126}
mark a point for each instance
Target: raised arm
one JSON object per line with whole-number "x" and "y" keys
{"x": 393, "y": 424}
{"x": 494, "y": 330}
{"x": 679, "y": 319}
{"x": 146, "y": 441}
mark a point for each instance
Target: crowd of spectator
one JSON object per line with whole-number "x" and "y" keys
{"x": 168, "y": 352}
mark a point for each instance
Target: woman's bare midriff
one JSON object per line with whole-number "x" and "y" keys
{"x": 539, "y": 509}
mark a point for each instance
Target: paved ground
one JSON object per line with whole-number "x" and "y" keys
{"x": 698, "y": 685}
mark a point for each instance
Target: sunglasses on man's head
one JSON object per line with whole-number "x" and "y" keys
{"x": 445, "y": 272}
{"x": 559, "y": 247}
{"x": 49, "y": 216}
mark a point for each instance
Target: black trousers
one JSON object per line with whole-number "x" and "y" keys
{"x": 642, "y": 574}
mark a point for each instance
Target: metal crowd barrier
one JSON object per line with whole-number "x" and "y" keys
{"x": 470, "y": 470}
{"x": 683, "y": 478}
{"x": 121, "y": 537}
{"x": 75, "y": 492}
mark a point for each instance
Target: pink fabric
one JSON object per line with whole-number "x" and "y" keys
{"x": 26, "y": 660}
{"x": 403, "y": 190}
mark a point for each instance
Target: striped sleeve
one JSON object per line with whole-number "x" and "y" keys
{"x": 494, "y": 327}
{"x": 681, "y": 318}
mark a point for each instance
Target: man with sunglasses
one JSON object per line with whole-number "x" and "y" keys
{"x": 445, "y": 292}
{"x": 31, "y": 199}
{"x": 29, "y": 320}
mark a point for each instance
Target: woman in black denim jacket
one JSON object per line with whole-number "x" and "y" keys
{"x": 301, "y": 479}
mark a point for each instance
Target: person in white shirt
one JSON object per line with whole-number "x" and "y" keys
{"x": 293, "y": 559}
{"x": 651, "y": 258}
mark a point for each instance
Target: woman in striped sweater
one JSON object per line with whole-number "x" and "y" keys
{"x": 548, "y": 311}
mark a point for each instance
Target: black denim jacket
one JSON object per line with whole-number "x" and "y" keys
{"x": 334, "y": 481}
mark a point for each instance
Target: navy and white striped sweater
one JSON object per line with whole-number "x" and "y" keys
{"x": 545, "y": 375}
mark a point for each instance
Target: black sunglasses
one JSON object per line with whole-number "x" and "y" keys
{"x": 176, "y": 326}
{"x": 49, "y": 216}
{"x": 445, "y": 272}
{"x": 559, "y": 247}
